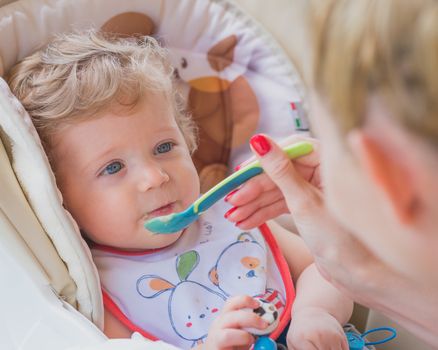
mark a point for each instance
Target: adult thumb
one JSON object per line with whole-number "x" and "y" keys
{"x": 279, "y": 168}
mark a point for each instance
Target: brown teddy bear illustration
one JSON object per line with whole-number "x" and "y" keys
{"x": 226, "y": 112}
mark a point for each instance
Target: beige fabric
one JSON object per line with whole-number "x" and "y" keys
{"x": 32, "y": 173}
{"x": 284, "y": 20}
{"x": 24, "y": 226}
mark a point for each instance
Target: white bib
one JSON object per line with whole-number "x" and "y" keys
{"x": 174, "y": 294}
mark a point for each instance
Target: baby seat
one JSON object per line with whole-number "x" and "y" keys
{"x": 237, "y": 80}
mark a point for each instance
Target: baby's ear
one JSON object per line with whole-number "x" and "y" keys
{"x": 150, "y": 286}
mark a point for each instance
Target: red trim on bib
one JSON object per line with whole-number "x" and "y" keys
{"x": 112, "y": 307}
{"x": 286, "y": 277}
{"x": 118, "y": 251}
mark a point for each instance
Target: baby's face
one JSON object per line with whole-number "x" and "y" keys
{"x": 118, "y": 170}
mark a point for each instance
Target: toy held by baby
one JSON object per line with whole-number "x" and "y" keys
{"x": 269, "y": 313}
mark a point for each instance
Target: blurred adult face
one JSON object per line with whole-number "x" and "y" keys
{"x": 360, "y": 204}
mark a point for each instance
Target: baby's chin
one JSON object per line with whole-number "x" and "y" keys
{"x": 157, "y": 241}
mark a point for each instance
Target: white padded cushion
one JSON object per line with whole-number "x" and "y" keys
{"x": 37, "y": 181}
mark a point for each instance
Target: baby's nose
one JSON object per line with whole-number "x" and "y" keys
{"x": 152, "y": 177}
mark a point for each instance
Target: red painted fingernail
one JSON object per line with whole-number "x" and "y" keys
{"x": 237, "y": 167}
{"x": 228, "y": 196}
{"x": 260, "y": 144}
{"x": 237, "y": 223}
{"x": 229, "y": 212}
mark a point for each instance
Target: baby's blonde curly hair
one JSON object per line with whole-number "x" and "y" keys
{"x": 82, "y": 75}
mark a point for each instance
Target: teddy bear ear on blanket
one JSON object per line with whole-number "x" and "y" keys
{"x": 128, "y": 24}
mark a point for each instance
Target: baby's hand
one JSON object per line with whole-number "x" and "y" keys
{"x": 314, "y": 328}
{"x": 226, "y": 331}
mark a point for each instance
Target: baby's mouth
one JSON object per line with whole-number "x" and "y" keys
{"x": 164, "y": 210}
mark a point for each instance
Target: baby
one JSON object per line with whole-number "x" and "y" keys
{"x": 120, "y": 147}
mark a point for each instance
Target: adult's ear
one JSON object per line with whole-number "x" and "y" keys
{"x": 385, "y": 165}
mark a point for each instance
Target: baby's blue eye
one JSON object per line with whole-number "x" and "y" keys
{"x": 112, "y": 168}
{"x": 164, "y": 147}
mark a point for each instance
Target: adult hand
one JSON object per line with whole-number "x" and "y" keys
{"x": 340, "y": 257}
{"x": 295, "y": 187}
{"x": 260, "y": 199}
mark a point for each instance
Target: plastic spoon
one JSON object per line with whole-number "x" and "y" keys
{"x": 177, "y": 221}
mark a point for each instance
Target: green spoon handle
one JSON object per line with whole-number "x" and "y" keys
{"x": 244, "y": 174}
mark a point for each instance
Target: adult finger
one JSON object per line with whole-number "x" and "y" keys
{"x": 288, "y": 141}
{"x": 264, "y": 214}
{"x": 311, "y": 159}
{"x": 278, "y": 167}
{"x": 251, "y": 190}
{"x": 241, "y": 212}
